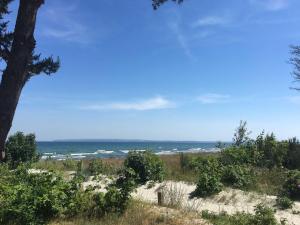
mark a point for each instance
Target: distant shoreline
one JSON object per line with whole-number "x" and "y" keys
{"x": 130, "y": 140}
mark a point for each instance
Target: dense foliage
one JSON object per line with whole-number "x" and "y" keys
{"x": 35, "y": 197}
{"x": 21, "y": 148}
{"x": 238, "y": 176}
{"x": 95, "y": 167}
{"x": 238, "y": 165}
{"x": 263, "y": 216}
{"x": 292, "y": 160}
{"x": 291, "y": 187}
{"x": 209, "y": 179}
{"x": 283, "y": 202}
{"x": 146, "y": 166}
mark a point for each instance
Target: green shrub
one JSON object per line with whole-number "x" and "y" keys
{"x": 291, "y": 186}
{"x": 273, "y": 153}
{"x": 113, "y": 201}
{"x": 209, "y": 180}
{"x": 237, "y": 176}
{"x": 36, "y": 198}
{"x": 293, "y": 155}
{"x": 263, "y": 216}
{"x": 20, "y": 148}
{"x": 235, "y": 156}
{"x": 32, "y": 198}
{"x": 205, "y": 163}
{"x": 96, "y": 167}
{"x": 146, "y": 166}
{"x": 284, "y": 203}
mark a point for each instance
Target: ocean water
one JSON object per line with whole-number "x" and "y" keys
{"x": 61, "y": 150}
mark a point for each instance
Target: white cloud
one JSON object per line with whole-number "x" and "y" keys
{"x": 148, "y": 104}
{"x": 271, "y": 5}
{"x": 60, "y": 21}
{"x": 211, "y": 21}
{"x": 211, "y": 98}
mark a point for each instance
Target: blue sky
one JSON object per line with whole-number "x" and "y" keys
{"x": 188, "y": 72}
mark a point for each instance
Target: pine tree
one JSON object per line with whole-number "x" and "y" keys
{"x": 295, "y": 61}
{"x": 20, "y": 60}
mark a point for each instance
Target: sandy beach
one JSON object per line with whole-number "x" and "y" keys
{"x": 229, "y": 200}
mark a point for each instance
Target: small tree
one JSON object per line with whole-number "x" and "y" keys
{"x": 295, "y": 61}
{"x": 241, "y": 135}
{"x": 20, "y": 148}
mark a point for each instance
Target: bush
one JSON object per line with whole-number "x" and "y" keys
{"x": 293, "y": 154}
{"x": 291, "y": 186}
{"x": 284, "y": 203}
{"x": 263, "y": 216}
{"x": 146, "y": 166}
{"x": 235, "y": 156}
{"x": 209, "y": 180}
{"x": 96, "y": 167}
{"x": 36, "y": 198}
{"x": 20, "y": 148}
{"x": 273, "y": 153}
{"x": 237, "y": 176}
{"x": 33, "y": 198}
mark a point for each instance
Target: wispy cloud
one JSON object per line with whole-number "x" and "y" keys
{"x": 181, "y": 38}
{"x": 60, "y": 21}
{"x": 212, "y": 98}
{"x": 271, "y": 5}
{"x": 211, "y": 21}
{"x": 148, "y": 104}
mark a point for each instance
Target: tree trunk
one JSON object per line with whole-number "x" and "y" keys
{"x": 15, "y": 75}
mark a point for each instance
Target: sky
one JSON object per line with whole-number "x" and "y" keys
{"x": 183, "y": 72}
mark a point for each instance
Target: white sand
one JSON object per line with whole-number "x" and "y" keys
{"x": 229, "y": 200}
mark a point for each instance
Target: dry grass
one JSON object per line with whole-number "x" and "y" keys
{"x": 174, "y": 170}
{"x": 140, "y": 214}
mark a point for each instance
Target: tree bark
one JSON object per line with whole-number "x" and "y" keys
{"x": 15, "y": 75}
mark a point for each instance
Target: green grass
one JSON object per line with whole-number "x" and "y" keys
{"x": 268, "y": 181}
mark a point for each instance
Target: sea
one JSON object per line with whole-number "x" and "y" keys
{"x": 62, "y": 150}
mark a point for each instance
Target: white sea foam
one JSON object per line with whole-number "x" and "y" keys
{"x": 83, "y": 154}
{"x": 49, "y": 153}
{"x": 104, "y": 152}
{"x": 194, "y": 150}
{"x": 125, "y": 151}
{"x": 165, "y": 153}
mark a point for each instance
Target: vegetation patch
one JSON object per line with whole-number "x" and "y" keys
{"x": 263, "y": 216}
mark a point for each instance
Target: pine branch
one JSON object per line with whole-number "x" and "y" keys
{"x": 157, "y": 3}
{"x": 295, "y": 61}
{"x": 47, "y": 66}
